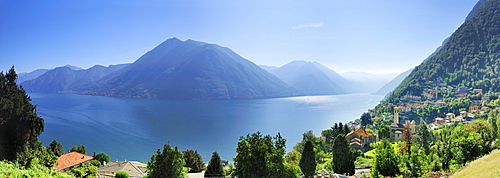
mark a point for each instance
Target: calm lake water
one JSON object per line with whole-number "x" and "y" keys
{"x": 133, "y": 129}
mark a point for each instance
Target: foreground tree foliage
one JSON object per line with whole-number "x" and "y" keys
{"x": 386, "y": 161}
{"x": 215, "y": 168}
{"x": 261, "y": 156}
{"x": 19, "y": 124}
{"x": 343, "y": 162}
{"x": 193, "y": 161}
{"x": 78, "y": 148}
{"x": 308, "y": 160}
{"x": 102, "y": 158}
{"x": 167, "y": 163}
{"x": 56, "y": 148}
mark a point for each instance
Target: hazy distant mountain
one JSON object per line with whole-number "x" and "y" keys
{"x": 312, "y": 78}
{"x": 268, "y": 68}
{"x": 190, "y": 70}
{"x": 388, "y": 87}
{"x": 73, "y": 67}
{"x": 21, "y": 77}
{"x": 367, "y": 81}
{"x": 66, "y": 78}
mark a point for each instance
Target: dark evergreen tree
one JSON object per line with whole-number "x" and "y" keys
{"x": 193, "y": 160}
{"x": 167, "y": 163}
{"x": 19, "y": 124}
{"x": 342, "y": 156}
{"x": 102, "y": 158}
{"x": 56, "y": 148}
{"x": 366, "y": 119}
{"x": 78, "y": 148}
{"x": 214, "y": 168}
{"x": 308, "y": 160}
{"x": 423, "y": 137}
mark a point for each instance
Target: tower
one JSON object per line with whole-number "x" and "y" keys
{"x": 396, "y": 115}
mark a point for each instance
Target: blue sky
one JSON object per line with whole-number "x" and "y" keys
{"x": 383, "y": 36}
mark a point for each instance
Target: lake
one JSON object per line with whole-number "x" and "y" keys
{"x": 133, "y": 129}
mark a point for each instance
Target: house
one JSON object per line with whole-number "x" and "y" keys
{"x": 70, "y": 160}
{"x": 439, "y": 120}
{"x": 361, "y": 138}
{"x": 132, "y": 168}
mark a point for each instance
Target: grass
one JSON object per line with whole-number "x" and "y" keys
{"x": 487, "y": 166}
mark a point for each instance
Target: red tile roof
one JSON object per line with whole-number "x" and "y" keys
{"x": 71, "y": 159}
{"x": 359, "y": 132}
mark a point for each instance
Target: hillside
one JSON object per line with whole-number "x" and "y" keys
{"x": 67, "y": 78}
{"x": 190, "y": 69}
{"x": 487, "y": 166}
{"x": 312, "y": 78}
{"x": 470, "y": 58}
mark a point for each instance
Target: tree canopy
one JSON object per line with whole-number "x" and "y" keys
{"x": 261, "y": 156}
{"x": 308, "y": 160}
{"x": 214, "y": 168}
{"x": 342, "y": 156}
{"x": 193, "y": 160}
{"x": 167, "y": 163}
{"x": 19, "y": 124}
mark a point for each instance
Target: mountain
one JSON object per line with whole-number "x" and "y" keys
{"x": 190, "y": 69}
{"x": 66, "y": 78}
{"x": 268, "y": 68}
{"x": 21, "y": 77}
{"x": 391, "y": 85}
{"x": 396, "y": 81}
{"x": 368, "y": 81}
{"x": 470, "y": 58}
{"x": 312, "y": 78}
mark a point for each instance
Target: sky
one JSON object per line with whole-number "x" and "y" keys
{"x": 382, "y": 36}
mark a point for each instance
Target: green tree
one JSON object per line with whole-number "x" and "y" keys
{"x": 366, "y": 119}
{"x": 214, "y": 168}
{"x": 121, "y": 174}
{"x": 308, "y": 160}
{"x": 342, "y": 156}
{"x": 56, "y": 148}
{"x": 168, "y": 163}
{"x": 78, "y": 148}
{"x": 37, "y": 154}
{"x": 193, "y": 160}
{"x": 103, "y": 158}
{"x": 386, "y": 161}
{"x": 485, "y": 130}
{"x": 261, "y": 156}
{"x": 414, "y": 162}
{"x": 19, "y": 124}
{"x": 384, "y": 132}
{"x": 423, "y": 137}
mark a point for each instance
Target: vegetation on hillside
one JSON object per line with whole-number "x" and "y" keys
{"x": 470, "y": 58}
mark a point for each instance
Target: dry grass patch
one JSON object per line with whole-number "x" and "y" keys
{"x": 487, "y": 166}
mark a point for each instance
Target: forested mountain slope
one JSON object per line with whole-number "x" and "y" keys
{"x": 470, "y": 58}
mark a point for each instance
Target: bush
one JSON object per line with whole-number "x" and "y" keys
{"x": 121, "y": 174}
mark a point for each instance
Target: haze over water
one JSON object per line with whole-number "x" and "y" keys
{"x": 133, "y": 129}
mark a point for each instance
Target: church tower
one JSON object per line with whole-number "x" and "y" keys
{"x": 396, "y": 115}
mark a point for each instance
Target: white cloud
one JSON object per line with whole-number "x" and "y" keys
{"x": 309, "y": 25}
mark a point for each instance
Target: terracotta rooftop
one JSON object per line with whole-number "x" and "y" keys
{"x": 359, "y": 132}
{"x": 71, "y": 159}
